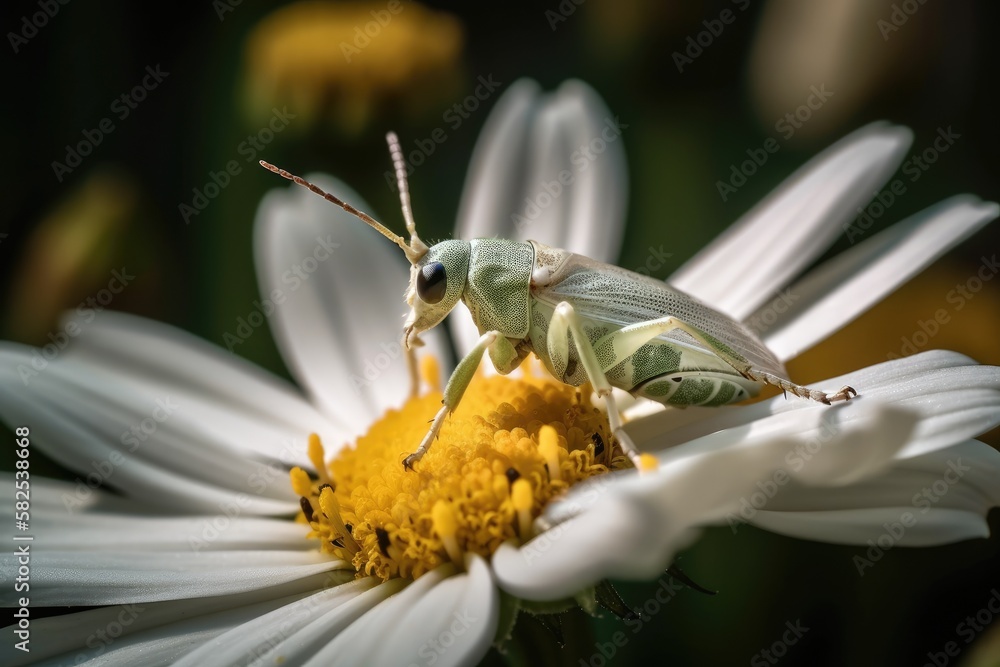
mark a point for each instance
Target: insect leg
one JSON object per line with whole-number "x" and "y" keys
{"x": 564, "y": 320}
{"x": 627, "y": 339}
{"x": 845, "y": 393}
{"x": 500, "y": 348}
{"x": 413, "y": 368}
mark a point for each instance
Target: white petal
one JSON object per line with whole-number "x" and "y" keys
{"x": 954, "y": 398}
{"x": 939, "y": 497}
{"x": 86, "y": 433}
{"x": 629, "y": 526}
{"x": 455, "y": 622}
{"x": 780, "y": 236}
{"x": 68, "y": 529}
{"x": 299, "y": 647}
{"x": 99, "y": 578}
{"x": 265, "y": 637}
{"x": 227, "y": 398}
{"x": 497, "y": 165}
{"x": 50, "y": 496}
{"x": 88, "y": 635}
{"x": 359, "y": 640}
{"x": 513, "y": 188}
{"x": 841, "y": 289}
{"x": 341, "y": 284}
{"x": 938, "y": 526}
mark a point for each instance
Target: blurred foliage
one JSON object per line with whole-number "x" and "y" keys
{"x": 229, "y": 63}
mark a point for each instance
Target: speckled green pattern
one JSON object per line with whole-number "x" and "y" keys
{"x": 497, "y": 292}
{"x": 693, "y": 391}
{"x": 609, "y": 294}
{"x": 687, "y": 388}
{"x": 654, "y": 359}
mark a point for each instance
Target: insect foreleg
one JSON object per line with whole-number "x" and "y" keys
{"x": 412, "y": 367}
{"x": 500, "y": 349}
{"x": 564, "y": 320}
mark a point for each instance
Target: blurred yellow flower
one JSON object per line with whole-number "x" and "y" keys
{"x": 343, "y": 62}
{"x": 69, "y": 253}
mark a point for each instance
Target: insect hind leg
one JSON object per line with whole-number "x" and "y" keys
{"x": 565, "y": 319}
{"x": 845, "y": 393}
{"x": 732, "y": 358}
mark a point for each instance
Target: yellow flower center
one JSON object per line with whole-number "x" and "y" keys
{"x": 510, "y": 447}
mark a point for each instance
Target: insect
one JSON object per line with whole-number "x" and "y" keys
{"x": 586, "y": 321}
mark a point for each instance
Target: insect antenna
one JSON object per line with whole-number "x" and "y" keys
{"x": 399, "y": 164}
{"x": 413, "y": 253}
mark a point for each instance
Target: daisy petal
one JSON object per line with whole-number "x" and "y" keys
{"x": 846, "y": 286}
{"x": 62, "y": 526}
{"x": 298, "y": 647}
{"x": 630, "y": 526}
{"x": 455, "y": 622}
{"x": 449, "y": 620}
{"x": 359, "y": 640}
{"x": 337, "y": 286}
{"x": 99, "y": 578}
{"x": 938, "y": 526}
{"x": 154, "y": 362}
{"x": 550, "y": 168}
{"x": 110, "y": 435}
{"x": 763, "y": 250}
{"x": 497, "y": 166}
{"x": 954, "y": 398}
{"x": 79, "y": 636}
{"x": 267, "y": 636}
{"x": 54, "y": 497}
{"x": 939, "y": 497}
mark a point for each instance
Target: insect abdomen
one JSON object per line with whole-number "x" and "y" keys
{"x": 696, "y": 388}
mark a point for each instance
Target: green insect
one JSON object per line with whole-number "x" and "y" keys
{"x": 586, "y": 321}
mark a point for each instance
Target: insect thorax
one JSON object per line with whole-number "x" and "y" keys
{"x": 497, "y": 291}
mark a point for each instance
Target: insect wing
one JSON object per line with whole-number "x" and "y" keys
{"x": 606, "y": 293}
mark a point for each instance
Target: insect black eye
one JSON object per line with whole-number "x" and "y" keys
{"x": 432, "y": 283}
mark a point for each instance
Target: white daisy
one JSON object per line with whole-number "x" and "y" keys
{"x": 197, "y": 562}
